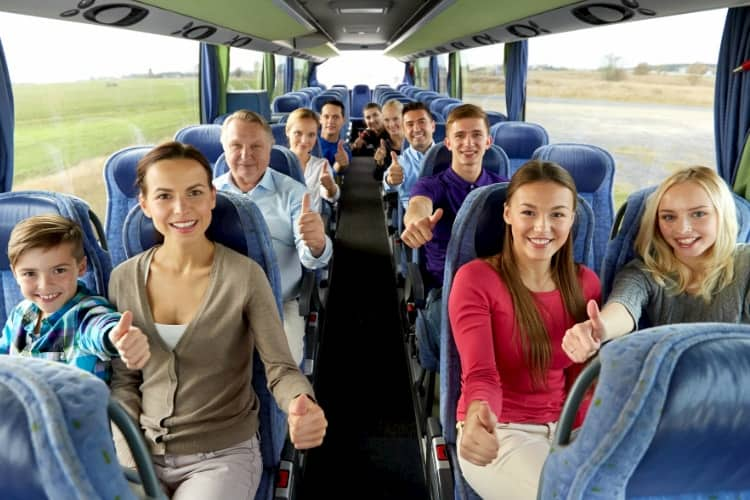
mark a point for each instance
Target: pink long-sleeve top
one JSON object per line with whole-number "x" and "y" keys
{"x": 492, "y": 361}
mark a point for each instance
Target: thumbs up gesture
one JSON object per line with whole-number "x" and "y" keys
{"x": 307, "y": 423}
{"x": 130, "y": 342}
{"x": 380, "y": 152}
{"x": 326, "y": 180}
{"x": 419, "y": 232}
{"x": 311, "y": 227}
{"x": 478, "y": 442}
{"x": 395, "y": 171}
{"x": 359, "y": 142}
{"x": 583, "y": 340}
{"x": 341, "y": 158}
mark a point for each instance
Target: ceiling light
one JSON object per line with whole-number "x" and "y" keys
{"x": 360, "y": 6}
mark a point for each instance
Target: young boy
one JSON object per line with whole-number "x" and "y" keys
{"x": 60, "y": 319}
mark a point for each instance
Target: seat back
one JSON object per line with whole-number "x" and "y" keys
{"x": 237, "y": 223}
{"x": 282, "y": 160}
{"x": 55, "y": 433}
{"x": 593, "y": 170}
{"x": 519, "y": 140}
{"x": 286, "y": 103}
{"x": 19, "y": 205}
{"x": 495, "y": 117}
{"x": 122, "y": 195}
{"x": 439, "y": 157}
{"x": 478, "y": 232}
{"x": 361, "y": 95}
{"x": 620, "y": 248}
{"x": 669, "y": 419}
{"x": 206, "y": 138}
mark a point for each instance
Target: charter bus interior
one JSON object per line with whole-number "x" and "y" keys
{"x": 88, "y": 86}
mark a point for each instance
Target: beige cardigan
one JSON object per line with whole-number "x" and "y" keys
{"x": 198, "y": 397}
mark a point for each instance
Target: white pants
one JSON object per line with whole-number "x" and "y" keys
{"x": 294, "y": 326}
{"x": 232, "y": 473}
{"x": 514, "y": 474}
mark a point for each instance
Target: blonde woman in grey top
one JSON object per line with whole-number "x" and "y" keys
{"x": 690, "y": 267}
{"x": 205, "y": 309}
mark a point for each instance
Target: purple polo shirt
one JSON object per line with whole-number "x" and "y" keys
{"x": 447, "y": 190}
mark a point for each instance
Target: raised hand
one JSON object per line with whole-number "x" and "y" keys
{"x": 326, "y": 180}
{"x": 359, "y": 142}
{"x": 307, "y": 423}
{"x": 395, "y": 171}
{"x": 380, "y": 153}
{"x": 419, "y": 232}
{"x": 311, "y": 227}
{"x": 478, "y": 442}
{"x": 341, "y": 157}
{"x": 130, "y": 342}
{"x": 583, "y": 340}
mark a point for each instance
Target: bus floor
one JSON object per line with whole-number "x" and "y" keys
{"x": 371, "y": 448}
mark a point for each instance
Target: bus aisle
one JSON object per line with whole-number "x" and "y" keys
{"x": 371, "y": 447}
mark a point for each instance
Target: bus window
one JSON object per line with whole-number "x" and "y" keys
{"x": 300, "y": 74}
{"x": 648, "y": 103}
{"x": 245, "y": 70}
{"x": 90, "y": 93}
{"x": 279, "y": 86}
{"x": 422, "y": 72}
{"x": 482, "y": 77}
{"x": 442, "y": 73}
{"x": 367, "y": 67}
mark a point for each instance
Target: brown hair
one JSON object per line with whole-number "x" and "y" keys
{"x": 169, "y": 151}
{"x": 529, "y": 324}
{"x": 45, "y": 231}
{"x": 467, "y": 111}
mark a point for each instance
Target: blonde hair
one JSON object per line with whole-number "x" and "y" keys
{"x": 246, "y": 116}
{"x": 659, "y": 257}
{"x": 45, "y": 231}
{"x": 301, "y": 114}
{"x": 529, "y": 323}
{"x": 395, "y": 104}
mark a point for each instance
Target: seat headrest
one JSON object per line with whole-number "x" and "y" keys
{"x": 519, "y": 139}
{"x": 121, "y": 167}
{"x": 206, "y": 138}
{"x": 589, "y": 165}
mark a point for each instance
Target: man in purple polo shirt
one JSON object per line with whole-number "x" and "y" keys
{"x": 435, "y": 201}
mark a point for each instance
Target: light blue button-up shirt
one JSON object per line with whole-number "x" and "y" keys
{"x": 411, "y": 161}
{"x": 279, "y": 198}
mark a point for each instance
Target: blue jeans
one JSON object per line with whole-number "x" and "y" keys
{"x": 428, "y": 330}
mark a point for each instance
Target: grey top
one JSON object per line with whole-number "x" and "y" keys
{"x": 636, "y": 289}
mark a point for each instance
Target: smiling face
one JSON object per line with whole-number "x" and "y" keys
{"x": 48, "y": 277}
{"x": 178, "y": 198}
{"x": 374, "y": 119}
{"x": 331, "y": 121}
{"x": 393, "y": 122}
{"x": 468, "y": 139}
{"x": 688, "y": 221}
{"x": 418, "y": 128}
{"x": 247, "y": 150}
{"x": 541, "y": 215}
{"x": 302, "y": 135}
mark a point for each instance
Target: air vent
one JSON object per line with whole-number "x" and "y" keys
{"x": 360, "y": 6}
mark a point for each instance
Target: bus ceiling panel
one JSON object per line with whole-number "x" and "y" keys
{"x": 258, "y": 25}
{"x": 472, "y": 23}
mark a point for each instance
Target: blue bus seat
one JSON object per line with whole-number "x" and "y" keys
{"x": 519, "y": 140}
{"x": 279, "y": 134}
{"x": 19, "y": 205}
{"x": 122, "y": 195}
{"x": 238, "y": 224}
{"x": 478, "y": 232}
{"x": 56, "y": 435}
{"x": 495, "y": 117}
{"x": 254, "y": 100}
{"x": 620, "y": 248}
{"x": 593, "y": 170}
{"x": 206, "y": 138}
{"x": 286, "y": 103}
{"x": 439, "y": 134}
{"x": 669, "y": 419}
{"x": 361, "y": 95}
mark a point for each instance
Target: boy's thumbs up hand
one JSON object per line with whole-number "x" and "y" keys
{"x": 130, "y": 342}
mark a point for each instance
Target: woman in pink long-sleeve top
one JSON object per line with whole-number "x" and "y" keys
{"x": 509, "y": 313}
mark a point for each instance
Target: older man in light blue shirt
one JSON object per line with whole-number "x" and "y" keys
{"x": 297, "y": 232}
{"x": 404, "y": 170}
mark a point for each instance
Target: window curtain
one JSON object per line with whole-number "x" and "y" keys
{"x": 516, "y": 61}
{"x": 7, "y": 121}
{"x": 454, "y": 75}
{"x": 408, "y": 73}
{"x": 269, "y": 73}
{"x": 213, "y": 76}
{"x": 434, "y": 74}
{"x": 732, "y": 101}
{"x": 312, "y": 75}
{"x": 289, "y": 80}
